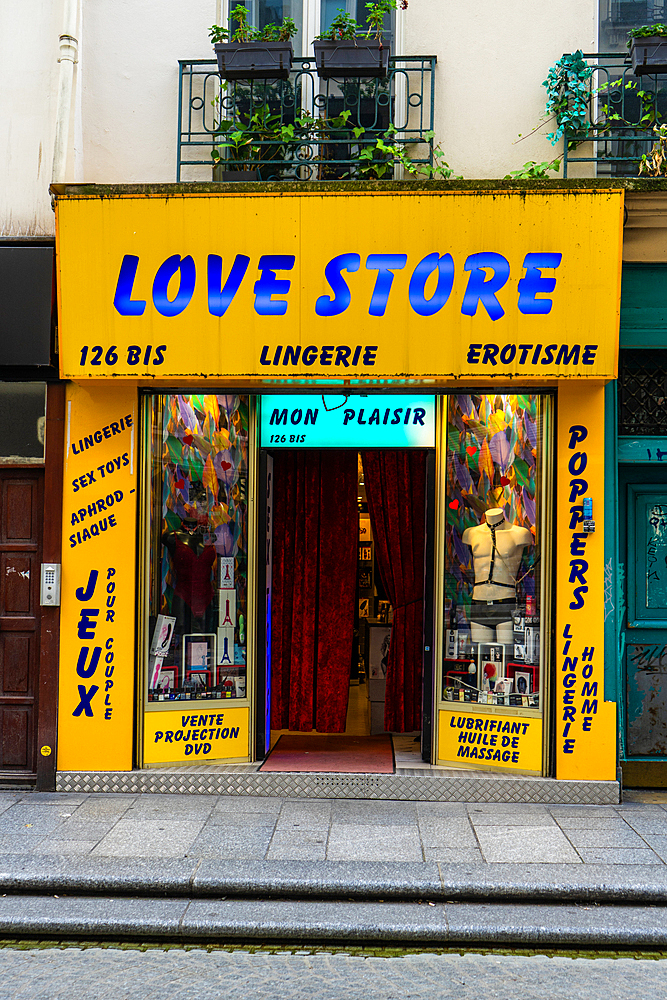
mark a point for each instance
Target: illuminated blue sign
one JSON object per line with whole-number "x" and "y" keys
{"x": 372, "y": 421}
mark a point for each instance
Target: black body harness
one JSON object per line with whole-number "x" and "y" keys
{"x": 496, "y": 583}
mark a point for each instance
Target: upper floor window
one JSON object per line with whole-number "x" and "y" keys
{"x": 317, "y": 15}
{"x": 263, "y": 12}
{"x": 617, "y": 17}
{"x": 642, "y": 392}
{"x": 357, "y": 8}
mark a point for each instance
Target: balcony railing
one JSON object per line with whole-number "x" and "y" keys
{"x": 623, "y": 108}
{"x": 296, "y": 129}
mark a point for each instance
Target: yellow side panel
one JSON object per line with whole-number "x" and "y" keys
{"x": 97, "y": 655}
{"x": 585, "y": 722}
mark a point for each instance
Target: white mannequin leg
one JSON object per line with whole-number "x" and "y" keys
{"x": 480, "y": 633}
{"x": 505, "y": 633}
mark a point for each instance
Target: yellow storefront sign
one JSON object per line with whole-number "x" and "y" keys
{"x": 346, "y": 286}
{"x": 490, "y": 741}
{"x": 197, "y": 736}
{"x": 97, "y": 654}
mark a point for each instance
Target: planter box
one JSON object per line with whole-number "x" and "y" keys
{"x": 354, "y": 57}
{"x": 649, "y": 55}
{"x": 254, "y": 60}
{"x": 226, "y": 176}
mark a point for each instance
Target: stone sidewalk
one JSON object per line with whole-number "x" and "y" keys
{"x": 213, "y": 827}
{"x": 221, "y": 868}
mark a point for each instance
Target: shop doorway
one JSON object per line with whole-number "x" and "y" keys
{"x": 21, "y": 515}
{"x": 347, "y": 685}
{"x": 643, "y": 494}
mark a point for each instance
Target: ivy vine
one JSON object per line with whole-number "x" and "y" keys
{"x": 568, "y": 95}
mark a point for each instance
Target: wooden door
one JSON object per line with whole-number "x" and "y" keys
{"x": 21, "y": 515}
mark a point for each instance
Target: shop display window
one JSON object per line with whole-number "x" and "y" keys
{"x": 493, "y": 601}
{"x": 197, "y": 625}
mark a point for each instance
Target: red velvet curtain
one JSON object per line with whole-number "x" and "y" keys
{"x": 315, "y": 538}
{"x": 396, "y": 493}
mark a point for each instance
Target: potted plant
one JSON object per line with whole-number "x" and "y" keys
{"x": 654, "y": 164}
{"x": 263, "y": 146}
{"x": 648, "y": 49}
{"x": 343, "y": 50}
{"x": 378, "y": 158}
{"x": 254, "y": 53}
{"x": 251, "y": 146}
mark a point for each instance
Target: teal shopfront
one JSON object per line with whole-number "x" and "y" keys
{"x": 636, "y": 537}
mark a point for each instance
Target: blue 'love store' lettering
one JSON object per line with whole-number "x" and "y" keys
{"x": 488, "y": 272}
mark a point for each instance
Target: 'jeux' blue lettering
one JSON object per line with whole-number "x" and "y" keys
{"x": 86, "y": 666}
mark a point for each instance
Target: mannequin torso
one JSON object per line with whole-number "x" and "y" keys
{"x": 496, "y": 572}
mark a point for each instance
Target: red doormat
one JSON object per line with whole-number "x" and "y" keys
{"x": 332, "y": 754}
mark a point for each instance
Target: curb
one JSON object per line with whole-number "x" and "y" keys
{"x": 333, "y": 880}
{"x": 287, "y": 921}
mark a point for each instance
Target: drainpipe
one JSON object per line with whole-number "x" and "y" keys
{"x": 68, "y": 57}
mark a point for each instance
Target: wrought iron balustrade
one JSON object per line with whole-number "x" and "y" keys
{"x": 623, "y": 108}
{"x": 296, "y": 129}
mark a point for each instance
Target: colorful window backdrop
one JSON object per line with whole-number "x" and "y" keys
{"x": 199, "y": 549}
